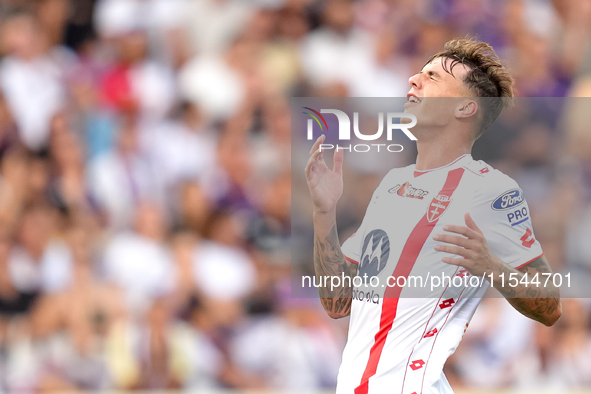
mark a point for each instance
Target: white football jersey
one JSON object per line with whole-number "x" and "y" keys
{"x": 400, "y": 336}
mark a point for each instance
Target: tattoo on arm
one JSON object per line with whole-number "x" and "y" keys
{"x": 539, "y": 302}
{"x": 330, "y": 261}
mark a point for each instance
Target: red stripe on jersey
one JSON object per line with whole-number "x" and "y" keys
{"x": 351, "y": 260}
{"x": 408, "y": 257}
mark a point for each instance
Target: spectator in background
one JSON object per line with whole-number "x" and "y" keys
{"x": 30, "y": 78}
{"x": 8, "y": 132}
{"x": 67, "y": 186}
{"x": 71, "y": 327}
{"x": 39, "y": 261}
{"x": 215, "y": 24}
{"x": 122, "y": 177}
{"x": 137, "y": 84}
{"x": 565, "y": 351}
{"x": 212, "y": 83}
{"x": 155, "y": 350}
{"x": 232, "y": 182}
{"x": 14, "y": 172}
{"x": 271, "y": 147}
{"x": 195, "y": 207}
{"x": 337, "y": 52}
{"x": 222, "y": 269}
{"x": 140, "y": 262}
{"x": 280, "y": 59}
{"x": 384, "y": 74}
{"x": 294, "y": 350}
{"x": 181, "y": 149}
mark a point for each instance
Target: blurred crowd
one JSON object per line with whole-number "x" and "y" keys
{"x": 145, "y": 184}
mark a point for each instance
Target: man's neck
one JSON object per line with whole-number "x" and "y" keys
{"x": 434, "y": 154}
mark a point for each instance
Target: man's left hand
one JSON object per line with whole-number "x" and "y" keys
{"x": 470, "y": 244}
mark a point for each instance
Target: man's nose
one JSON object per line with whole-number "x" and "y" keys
{"x": 415, "y": 81}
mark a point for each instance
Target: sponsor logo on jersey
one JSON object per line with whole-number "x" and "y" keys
{"x": 437, "y": 207}
{"x": 508, "y": 200}
{"x": 375, "y": 253}
{"x": 407, "y": 190}
{"x": 518, "y": 216}
{"x": 366, "y": 296}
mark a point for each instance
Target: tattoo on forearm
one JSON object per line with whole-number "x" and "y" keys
{"x": 537, "y": 302}
{"x": 330, "y": 261}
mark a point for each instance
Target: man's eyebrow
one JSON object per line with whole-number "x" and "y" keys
{"x": 431, "y": 72}
{"x": 435, "y": 73}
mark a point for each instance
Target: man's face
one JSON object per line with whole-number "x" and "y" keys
{"x": 435, "y": 94}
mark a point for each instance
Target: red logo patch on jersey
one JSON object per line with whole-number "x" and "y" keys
{"x": 437, "y": 206}
{"x": 526, "y": 241}
{"x": 417, "y": 364}
{"x": 447, "y": 303}
{"x": 484, "y": 170}
{"x": 430, "y": 333}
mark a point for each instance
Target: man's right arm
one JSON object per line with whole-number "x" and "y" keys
{"x": 329, "y": 261}
{"x": 326, "y": 187}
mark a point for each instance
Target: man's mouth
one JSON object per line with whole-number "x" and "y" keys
{"x": 412, "y": 98}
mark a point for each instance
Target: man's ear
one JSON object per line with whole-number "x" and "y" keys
{"x": 466, "y": 109}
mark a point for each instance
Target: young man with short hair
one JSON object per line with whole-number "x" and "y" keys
{"x": 468, "y": 220}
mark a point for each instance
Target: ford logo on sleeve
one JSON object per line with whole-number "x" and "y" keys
{"x": 508, "y": 200}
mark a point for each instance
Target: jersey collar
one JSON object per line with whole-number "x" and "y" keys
{"x": 457, "y": 161}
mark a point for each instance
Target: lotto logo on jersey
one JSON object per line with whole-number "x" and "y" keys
{"x": 407, "y": 190}
{"x": 437, "y": 207}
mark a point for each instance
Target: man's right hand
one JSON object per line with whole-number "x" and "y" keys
{"x": 325, "y": 185}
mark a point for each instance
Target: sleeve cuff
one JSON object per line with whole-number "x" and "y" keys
{"x": 524, "y": 264}
{"x": 351, "y": 260}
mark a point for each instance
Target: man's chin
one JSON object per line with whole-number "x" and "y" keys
{"x": 410, "y": 110}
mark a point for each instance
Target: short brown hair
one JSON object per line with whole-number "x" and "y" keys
{"x": 487, "y": 76}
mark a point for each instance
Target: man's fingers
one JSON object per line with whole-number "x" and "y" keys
{"x": 316, "y": 145}
{"x": 311, "y": 161}
{"x": 471, "y": 223}
{"x": 452, "y": 250}
{"x": 454, "y": 261}
{"x": 338, "y": 161}
{"x": 462, "y": 230}
{"x": 453, "y": 239}
{"x": 315, "y": 158}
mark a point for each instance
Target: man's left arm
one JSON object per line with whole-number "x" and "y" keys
{"x": 540, "y": 301}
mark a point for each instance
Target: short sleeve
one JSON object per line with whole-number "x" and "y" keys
{"x": 351, "y": 248}
{"x": 502, "y": 213}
